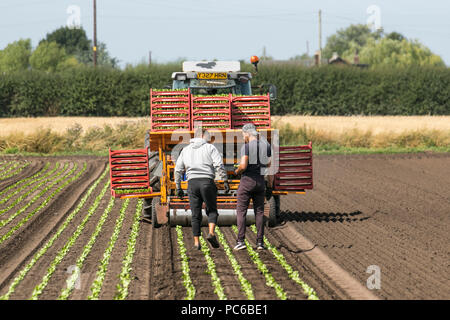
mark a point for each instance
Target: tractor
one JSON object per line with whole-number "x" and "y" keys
{"x": 217, "y": 96}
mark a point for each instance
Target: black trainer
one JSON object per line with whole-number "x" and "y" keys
{"x": 197, "y": 247}
{"x": 213, "y": 240}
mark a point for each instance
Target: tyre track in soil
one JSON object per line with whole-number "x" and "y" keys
{"x": 17, "y": 251}
{"x": 228, "y": 279}
{"x": 90, "y": 265}
{"x": 426, "y": 225}
{"x": 360, "y": 245}
{"x": 30, "y": 170}
{"x": 424, "y": 188}
{"x": 292, "y": 290}
{"x": 338, "y": 236}
{"x": 260, "y": 290}
{"x": 115, "y": 262}
{"x": 60, "y": 172}
{"x": 404, "y": 267}
{"x": 381, "y": 209}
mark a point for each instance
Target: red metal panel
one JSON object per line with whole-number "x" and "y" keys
{"x": 129, "y": 171}
{"x": 295, "y": 169}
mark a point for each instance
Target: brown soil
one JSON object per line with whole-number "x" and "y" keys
{"x": 391, "y": 211}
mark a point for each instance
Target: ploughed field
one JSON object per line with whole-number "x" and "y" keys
{"x": 62, "y": 236}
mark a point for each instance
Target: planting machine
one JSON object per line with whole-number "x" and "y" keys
{"x": 217, "y": 96}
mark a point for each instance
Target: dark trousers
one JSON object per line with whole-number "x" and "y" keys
{"x": 251, "y": 188}
{"x": 202, "y": 190}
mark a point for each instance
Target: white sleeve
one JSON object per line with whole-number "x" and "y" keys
{"x": 179, "y": 169}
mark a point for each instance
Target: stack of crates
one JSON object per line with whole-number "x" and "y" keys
{"x": 213, "y": 112}
{"x": 170, "y": 110}
{"x": 251, "y": 109}
{"x": 129, "y": 172}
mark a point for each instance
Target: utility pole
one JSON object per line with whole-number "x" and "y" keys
{"x": 95, "y": 33}
{"x": 307, "y": 48}
{"x": 149, "y": 57}
{"x": 264, "y": 53}
{"x": 320, "y": 37}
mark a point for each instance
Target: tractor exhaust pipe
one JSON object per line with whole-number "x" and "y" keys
{"x": 227, "y": 217}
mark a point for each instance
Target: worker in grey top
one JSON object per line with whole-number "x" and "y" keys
{"x": 255, "y": 158}
{"x": 201, "y": 161}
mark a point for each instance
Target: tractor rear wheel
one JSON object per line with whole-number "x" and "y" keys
{"x": 153, "y": 166}
{"x": 155, "y": 202}
{"x": 274, "y": 211}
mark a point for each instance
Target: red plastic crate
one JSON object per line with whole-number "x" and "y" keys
{"x": 205, "y": 109}
{"x": 129, "y": 171}
{"x": 170, "y": 110}
{"x": 251, "y": 109}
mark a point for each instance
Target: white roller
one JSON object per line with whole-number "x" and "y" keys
{"x": 227, "y": 217}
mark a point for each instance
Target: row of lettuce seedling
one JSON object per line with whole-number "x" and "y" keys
{"x": 97, "y": 284}
{"x": 215, "y": 280}
{"x": 67, "y": 181}
{"x": 18, "y": 279}
{"x": 22, "y": 184}
{"x": 4, "y": 172}
{"x": 187, "y": 281}
{"x": 124, "y": 277}
{"x": 42, "y": 181}
{"x": 245, "y": 284}
{"x": 294, "y": 275}
{"x": 86, "y": 250}
{"x": 53, "y": 181}
{"x": 67, "y": 246}
{"x": 270, "y": 280}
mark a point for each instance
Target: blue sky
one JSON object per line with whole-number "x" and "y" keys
{"x": 226, "y": 30}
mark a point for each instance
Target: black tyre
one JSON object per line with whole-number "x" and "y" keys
{"x": 153, "y": 164}
{"x": 155, "y": 202}
{"x": 274, "y": 211}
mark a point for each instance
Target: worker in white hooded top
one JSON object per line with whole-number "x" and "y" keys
{"x": 201, "y": 161}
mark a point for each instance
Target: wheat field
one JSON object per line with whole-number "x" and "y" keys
{"x": 330, "y": 124}
{"x": 80, "y": 134}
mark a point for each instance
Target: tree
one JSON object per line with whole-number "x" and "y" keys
{"x": 73, "y": 40}
{"x": 16, "y": 56}
{"x": 395, "y": 36}
{"x": 344, "y": 39}
{"x": 50, "y": 57}
{"x": 76, "y": 43}
{"x": 103, "y": 57}
{"x": 389, "y": 52}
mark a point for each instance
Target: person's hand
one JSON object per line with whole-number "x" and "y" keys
{"x": 226, "y": 186}
{"x": 180, "y": 193}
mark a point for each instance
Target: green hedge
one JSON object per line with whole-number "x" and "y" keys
{"x": 327, "y": 90}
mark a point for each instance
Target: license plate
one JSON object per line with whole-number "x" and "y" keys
{"x": 212, "y": 75}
